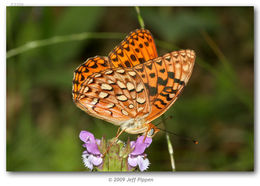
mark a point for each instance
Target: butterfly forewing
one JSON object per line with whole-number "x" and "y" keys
{"x": 179, "y": 66}
{"x": 138, "y": 47}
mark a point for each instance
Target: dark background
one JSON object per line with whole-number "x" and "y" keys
{"x": 217, "y": 106}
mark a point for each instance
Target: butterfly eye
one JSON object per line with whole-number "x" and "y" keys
{"x": 150, "y": 132}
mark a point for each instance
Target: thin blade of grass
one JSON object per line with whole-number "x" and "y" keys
{"x": 139, "y": 17}
{"x": 170, "y": 148}
{"x": 59, "y": 39}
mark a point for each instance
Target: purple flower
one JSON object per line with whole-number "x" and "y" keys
{"x": 92, "y": 156}
{"x": 137, "y": 156}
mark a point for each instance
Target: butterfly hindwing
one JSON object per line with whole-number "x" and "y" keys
{"x": 116, "y": 95}
{"x": 92, "y": 65}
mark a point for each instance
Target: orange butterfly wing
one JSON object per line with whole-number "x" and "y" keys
{"x": 172, "y": 73}
{"x": 92, "y": 65}
{"x": 116, "y": 95}
{"x": 138, "y": 47}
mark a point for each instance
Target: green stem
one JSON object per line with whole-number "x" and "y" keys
{"x": 140, "y": 19}
{"x": 170, "y": 148}
{"x": 60, "y": 39}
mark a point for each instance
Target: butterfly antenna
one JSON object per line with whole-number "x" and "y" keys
{"x": 182, "y": 137}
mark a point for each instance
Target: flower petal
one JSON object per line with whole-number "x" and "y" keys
{"x": 86, "y": 161}
{"x": 90, "y": 142}
{"x": 87, "y": 137}
{"x": 92, "y": 148}
{"x": 132, "y": 161}
{"x": 142, "y": 163}
{"x": 141, "y": 145}
{"x": 95, "y": 160}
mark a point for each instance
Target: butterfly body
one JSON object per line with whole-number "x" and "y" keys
{"x": 132, "y": 86}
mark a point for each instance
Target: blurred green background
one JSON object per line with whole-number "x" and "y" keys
{"x": 217, "y": 106}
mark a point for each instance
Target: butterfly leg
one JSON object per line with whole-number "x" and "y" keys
{"x": 115, "y": 139}
{"x": 118, "y": 130}
{"x": 145, "y": 134}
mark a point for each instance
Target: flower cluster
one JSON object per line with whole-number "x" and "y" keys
{"x": 130, "y": 155}
{"x": 91, "y": 156}
{"x": 137, "y": 156}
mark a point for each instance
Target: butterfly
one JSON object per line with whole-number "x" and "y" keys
{"x": 132, "y": 86}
